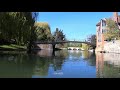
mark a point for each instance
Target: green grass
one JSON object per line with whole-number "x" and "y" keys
{"x": 12, "y": 46}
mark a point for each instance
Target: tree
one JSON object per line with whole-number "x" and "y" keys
{"x": 58, "y": 35}
{"x": 92, "y": 39}
{"x": 18, "y": 26}
{"x": 112, "y": 30}
{"x": 85, "y": 46}
{"x": 43, "y": 31}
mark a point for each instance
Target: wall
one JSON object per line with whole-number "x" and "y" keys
{"x": 112, "y": 47}
{"x": 44, "y": 46}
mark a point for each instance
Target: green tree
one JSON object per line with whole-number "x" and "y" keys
{"x": 112, "y": 30}
{"x": 18, "y": 26}
{"x": 85, "y": 46}
{"x": 92, "y": 39}
{"x": 43, "y": 31}
{"x": 58, "y": 35}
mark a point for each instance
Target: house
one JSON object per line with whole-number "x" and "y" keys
{"x": 101, "y": 29}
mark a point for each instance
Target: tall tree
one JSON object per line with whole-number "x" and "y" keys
{"x": 112, "y": 30}
{"x": 92, "y": 39}
{"x": 18, "y": 26}
{"x": 43, "y": 31}
{"x": 58, "y": 35}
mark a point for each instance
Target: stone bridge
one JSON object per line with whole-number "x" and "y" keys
{"x": 73, "y": 48}
{"x": 60, "y": 42}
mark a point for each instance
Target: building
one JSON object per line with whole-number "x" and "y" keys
{"x": 101, "y": 29}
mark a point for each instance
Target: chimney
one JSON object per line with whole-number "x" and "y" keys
{"x": 115, "y": 17}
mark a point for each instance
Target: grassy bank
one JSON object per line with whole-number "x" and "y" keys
{"x": 12, "y": 47}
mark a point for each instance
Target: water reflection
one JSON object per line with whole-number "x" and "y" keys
{"x": 42, "y": 64}
{"x": 66, "y": 64}
{"x": 108, "y": 65}
{"x": 16, "y": 65}
{"x": 41, "y": 67}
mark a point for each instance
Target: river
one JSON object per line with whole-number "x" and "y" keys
{"x": 61, "y": 64}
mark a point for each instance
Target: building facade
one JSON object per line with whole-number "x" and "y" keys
{"x": 101, "y": 28}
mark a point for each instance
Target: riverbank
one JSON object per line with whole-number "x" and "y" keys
{"x": 12, "y": 47}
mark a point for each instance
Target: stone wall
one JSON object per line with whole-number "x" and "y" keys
{"x": 112, "y": 47}
{"x": 44, "y": 46}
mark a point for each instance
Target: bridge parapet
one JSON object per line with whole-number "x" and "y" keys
{"x": 59, "y": 42}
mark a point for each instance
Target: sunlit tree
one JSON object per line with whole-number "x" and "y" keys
{"x": 43, "y": 31}
{"x": 112, "y": 30}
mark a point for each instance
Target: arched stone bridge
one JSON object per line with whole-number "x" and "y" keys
{"x": 59, "y": 42}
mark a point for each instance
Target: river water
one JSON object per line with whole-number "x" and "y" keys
{"x": 61, "y": 64}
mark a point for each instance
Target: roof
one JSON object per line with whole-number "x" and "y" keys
{"x": 98, "y": 24}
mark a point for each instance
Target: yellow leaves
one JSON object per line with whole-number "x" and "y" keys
{"x": 42, "y": 24}
{"x": 43, "y": 30}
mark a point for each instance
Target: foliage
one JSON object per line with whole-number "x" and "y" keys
{"x": 74, "y": 45}
{"x": 112, "y": 31}
{"x": 85, "y": 46}
{"x": 17, "y": 26}
{"x": 43, "y": 31}
{"x": 58, "y": 35}
{"x": 92, "y": 39}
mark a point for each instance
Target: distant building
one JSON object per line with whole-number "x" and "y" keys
{"x": 101, "y": 29}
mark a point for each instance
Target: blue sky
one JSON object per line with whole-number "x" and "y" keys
{"x": 75, "y": 25}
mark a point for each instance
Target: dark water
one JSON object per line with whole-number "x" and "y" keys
{"x": 63, "y": 64}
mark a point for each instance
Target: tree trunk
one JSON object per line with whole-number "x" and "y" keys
{"x": 29, "y": 47}
{"x": 53, "y": 45}
{"x": 53, "y": 52}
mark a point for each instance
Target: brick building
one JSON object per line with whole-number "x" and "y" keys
{"x": 101, "y": 28}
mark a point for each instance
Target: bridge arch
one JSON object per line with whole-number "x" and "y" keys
{"x": 59, "y": 42}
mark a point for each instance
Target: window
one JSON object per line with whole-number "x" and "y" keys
{"x": 99, "y": 40}
{"x": 103, "y": 23}
{"x": 103, "y": 30}
{"x": 99, "y": 37}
